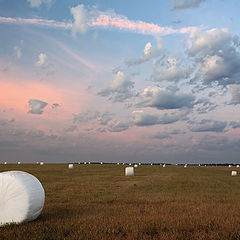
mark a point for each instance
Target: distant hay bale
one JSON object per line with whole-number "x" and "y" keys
{"x": 21, "y": 197}
{"x": 41, "y": 163}
{"x": 164, "y": 165}
{"x": 18, "y": 162}
{"x": 118, "y": 163}
{"x": 135, "y": 165}
{"x": 185, "y": 165}
{"x": 101, "y": 162}
{"x": 237, "y": 166}
{"x": 5, "y": 162}
{"x": 129, "y": 164}
{"x": 70, "y": 166}
{"x": 139, "y": 164}
{"x": 129, "y": 171}
{"x": 229, "y": 166}
{"x": 234, "y": 173}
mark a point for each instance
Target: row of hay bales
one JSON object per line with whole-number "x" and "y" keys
{"x": 138, "y": 164}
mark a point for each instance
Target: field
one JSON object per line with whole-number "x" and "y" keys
{"x": 99, "y": 202}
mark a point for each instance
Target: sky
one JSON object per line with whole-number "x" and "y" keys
{"x": 120, "y": 81}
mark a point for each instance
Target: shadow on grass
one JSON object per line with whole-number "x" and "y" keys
{"x": 63, "y": 212}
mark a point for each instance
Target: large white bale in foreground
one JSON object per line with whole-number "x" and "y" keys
{"x": 129, "y": 171}
{"x": 70, "y": 166}
{"x": 21, "y": 197}
{"x": 234, "y": 173}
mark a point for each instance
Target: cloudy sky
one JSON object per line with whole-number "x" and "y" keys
{"x": 129, "y": 81}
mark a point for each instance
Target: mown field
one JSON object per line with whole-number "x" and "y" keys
{"x": 99, "y": 202}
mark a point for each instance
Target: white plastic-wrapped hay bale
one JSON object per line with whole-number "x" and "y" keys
{"x": 237, "y": 166}
{"x": 229, "y": 166}
{"x": 70, "y": 166}
{"x": 129, "y": 171}
{"x": 18, "y": 162}
{"x": 164, "y": 165}
{"x": 21, "y": 197}
{"x": 41, "y": 163}
{"x": 5, "y": 163}
{"x": 185, "y": 165}
{"x": 135, "y": 165}
{"x": 234, "y": 173}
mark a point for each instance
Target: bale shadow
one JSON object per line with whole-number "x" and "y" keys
{"x": 59, "y": 212}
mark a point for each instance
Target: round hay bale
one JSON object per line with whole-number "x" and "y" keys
{"x": 21, "y": 197}
{"x": 129, "y": 171}
{"x": 234, "y": 173}
{"x": 41, "y": 163}
{"x": 164, "y": 165}
{"x": 237, "y": 166}
{"x": 70, "y": 166}
{"x": 135, "y": 165}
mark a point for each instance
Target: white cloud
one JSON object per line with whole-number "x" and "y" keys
{"x": 42, "y": 59}
{"x": 208, "y": 42}
{"x": 80, "y": 16}
{"x": 161, "y": 135}
{"x": 171, "y": 71}
{"x": 142, "y": 118}
{"x": 119, "y": 89}
{"x": 149, "y": 52}
{"x": 18, "y": 52}
{"x": 117, "y": 126}
{"x": 215, "y": 53}
{"x": 235, "y": 91}
{"x": 207, "y": 125}
{"x": 37, "y": 3}
{"x": 147, "y": 49}
{"x": 36, "y": 106}
{"x": 161, "y": 98}
{"x": 234, "y": 124}
{"x": 183, "y": 4}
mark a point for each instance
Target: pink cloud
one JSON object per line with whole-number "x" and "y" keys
{"x": 104, "y": 19}
{"x": 123, "y": 23}
{"x": 37, "y": 21}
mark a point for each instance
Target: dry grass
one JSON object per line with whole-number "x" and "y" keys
{"x": 99, "y": 202}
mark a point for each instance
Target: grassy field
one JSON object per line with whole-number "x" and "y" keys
{"x": 99, "y": 202}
